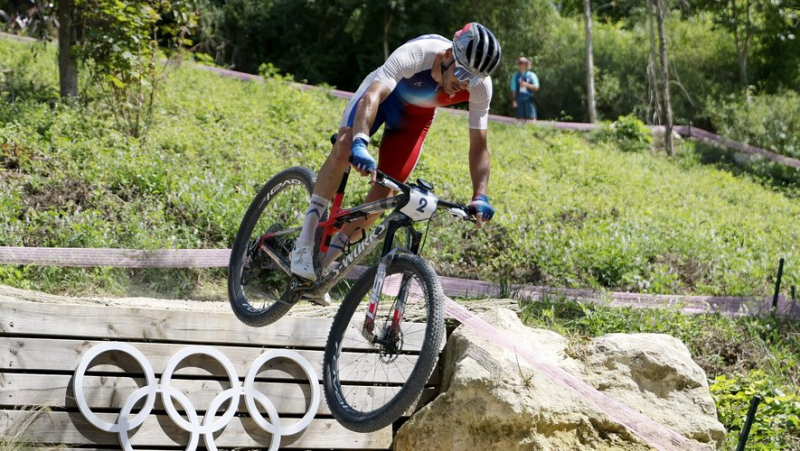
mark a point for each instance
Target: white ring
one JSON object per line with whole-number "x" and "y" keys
{"x": 149, "y": 376}
{"x": 194, "y": 426}
{"x": 166, "y": 377}
{"x": 312, "y": 379}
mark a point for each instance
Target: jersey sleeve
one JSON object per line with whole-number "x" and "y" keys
{"x": 402, "y": 63}
{"x": 480, "y": 96}
{"x": 534, "y": 79}
{"x": 514, "y": 82}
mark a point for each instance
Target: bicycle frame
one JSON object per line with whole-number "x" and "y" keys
{"x": 385, "y": 232}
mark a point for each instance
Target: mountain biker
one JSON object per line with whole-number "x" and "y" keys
{"x": 424, "y": 73}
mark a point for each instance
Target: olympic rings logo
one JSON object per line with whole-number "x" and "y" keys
{"x": 210, "y": 424}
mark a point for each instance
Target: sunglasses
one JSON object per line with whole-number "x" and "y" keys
{"x": 463, "y": 75}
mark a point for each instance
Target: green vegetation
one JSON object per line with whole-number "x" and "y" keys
{"x": 768, "y": 121}
{"x": 742, "y": 357}
{"x": 570, "y": 212}
{"x": 716, "y": 48}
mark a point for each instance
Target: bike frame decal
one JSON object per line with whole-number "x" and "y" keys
{"x": 365, "y": 245}
{"x": 277, "y": 188}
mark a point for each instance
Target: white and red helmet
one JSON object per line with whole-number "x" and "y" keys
{"x": 476, "y": 49}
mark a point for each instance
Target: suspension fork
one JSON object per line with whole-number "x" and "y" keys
{"x": 389, "y": 252}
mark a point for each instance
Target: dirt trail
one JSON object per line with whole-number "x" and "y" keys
{"x": 303, "y": 308}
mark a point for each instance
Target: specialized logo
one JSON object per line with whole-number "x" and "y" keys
{"x": 360, "y": 247}
{"x": 210, "y": 424}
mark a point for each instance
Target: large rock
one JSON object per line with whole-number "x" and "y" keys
{"x": 493, "y": 400}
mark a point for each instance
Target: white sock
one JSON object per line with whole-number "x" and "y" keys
{"x": 336, "y": 248}
{"x": 316, "y": 209}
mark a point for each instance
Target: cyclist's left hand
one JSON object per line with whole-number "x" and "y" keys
{"x": 482, "y": 208}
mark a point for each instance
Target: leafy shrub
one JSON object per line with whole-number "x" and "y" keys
{"x": 629, "y": 132}
{"x": 769, "y": 121}
{"x": 777, "y": 420}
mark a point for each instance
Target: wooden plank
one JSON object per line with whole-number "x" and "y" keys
{"x": 71, "y": 429}
{"x": 102, "y": 392}
{"x": 101, "y": 322}
{"x": 42, "y": 354}
{"x": 117, "y": 258}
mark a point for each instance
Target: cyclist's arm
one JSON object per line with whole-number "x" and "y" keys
{"x": 479, "y": 161}
{"x": 367, "y": 107}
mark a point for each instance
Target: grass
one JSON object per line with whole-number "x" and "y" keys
{"x": 742, "y": 357}
{"x": 14, "y": 439}
{"x": 571, "y": 212}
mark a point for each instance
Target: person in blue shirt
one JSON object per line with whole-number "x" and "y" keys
{"x": 523, "y": 84}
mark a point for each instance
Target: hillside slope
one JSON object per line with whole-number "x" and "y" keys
{"x": 570, "y": 212}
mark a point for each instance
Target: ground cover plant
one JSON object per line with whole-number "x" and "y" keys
{"x": 742, "y": 357}
{"x": 572, "y": 211}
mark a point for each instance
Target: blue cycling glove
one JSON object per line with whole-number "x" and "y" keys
{"x": 361, "y": 159}
{"x": 480, "y": 205}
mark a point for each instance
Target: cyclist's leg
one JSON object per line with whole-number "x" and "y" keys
{"x": 398, "y": 155}
{"x": 328, "y": 179}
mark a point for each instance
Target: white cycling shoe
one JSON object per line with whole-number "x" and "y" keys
{"x": 303, "y": 266}
{"x": 303, "y": 262}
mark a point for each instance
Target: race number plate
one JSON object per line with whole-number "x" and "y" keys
{"x": 420, "y": 206}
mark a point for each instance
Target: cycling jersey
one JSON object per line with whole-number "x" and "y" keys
{"x": 409, "y": 109}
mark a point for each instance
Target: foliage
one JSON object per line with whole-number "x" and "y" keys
{"x": 629, "y": 132}
{"x": 769, "y": 121}
{"x": 315, "y": 40}
{"x": 777, "y": 421}
{"x": 570, "y": 213}
{"x": 742, "y": 356}
{"x": 122, "y": 43}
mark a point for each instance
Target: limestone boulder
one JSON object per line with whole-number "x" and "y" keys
{"x": 494, "y": 400}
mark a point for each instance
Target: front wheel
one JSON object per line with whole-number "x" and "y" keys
{"x": 369, "y": 385}
{"x": 258, "y": 288}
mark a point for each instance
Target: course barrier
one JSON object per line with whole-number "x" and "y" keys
{"x": 217, "y": 258}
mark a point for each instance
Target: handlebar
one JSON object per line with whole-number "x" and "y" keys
{"x": 464, "y": 212}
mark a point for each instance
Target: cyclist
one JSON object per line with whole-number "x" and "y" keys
{"x": 424, "y": 73}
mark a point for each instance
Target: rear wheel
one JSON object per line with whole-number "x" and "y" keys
{"x": 370, "y": 385}
{"x": 258, "y": 289}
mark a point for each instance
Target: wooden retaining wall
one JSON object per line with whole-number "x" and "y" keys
{"x": 42, "y": 344}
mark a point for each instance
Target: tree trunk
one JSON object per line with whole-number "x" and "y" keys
{"x": 387, "y": 23}
{"x": 654, "y": 111}
{"x": 587, "y": 15}
{"x": 745, "y": 45}
{"x": 662, "y": 40}
{"x": 67, "y": 61}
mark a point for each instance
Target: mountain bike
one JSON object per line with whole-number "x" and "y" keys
{"x": 372, "y": 316}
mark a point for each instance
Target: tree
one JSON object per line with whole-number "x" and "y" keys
{"x": 587, "y": 15}
{"x": 654, "y": 111}
{"x": 667, "y": 108}
{"x": 67, "y": 57}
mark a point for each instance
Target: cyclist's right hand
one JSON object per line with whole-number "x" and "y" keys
{"x": 360, "y": 157}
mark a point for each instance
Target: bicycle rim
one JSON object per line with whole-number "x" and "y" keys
{"x": 369, "y": 386}
{"x": 258, "y": 287}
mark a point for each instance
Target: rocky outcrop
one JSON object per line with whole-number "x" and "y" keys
{"x": 493, "y": 400}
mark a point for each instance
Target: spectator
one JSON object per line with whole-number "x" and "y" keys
{"x": 523, "y": 84}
